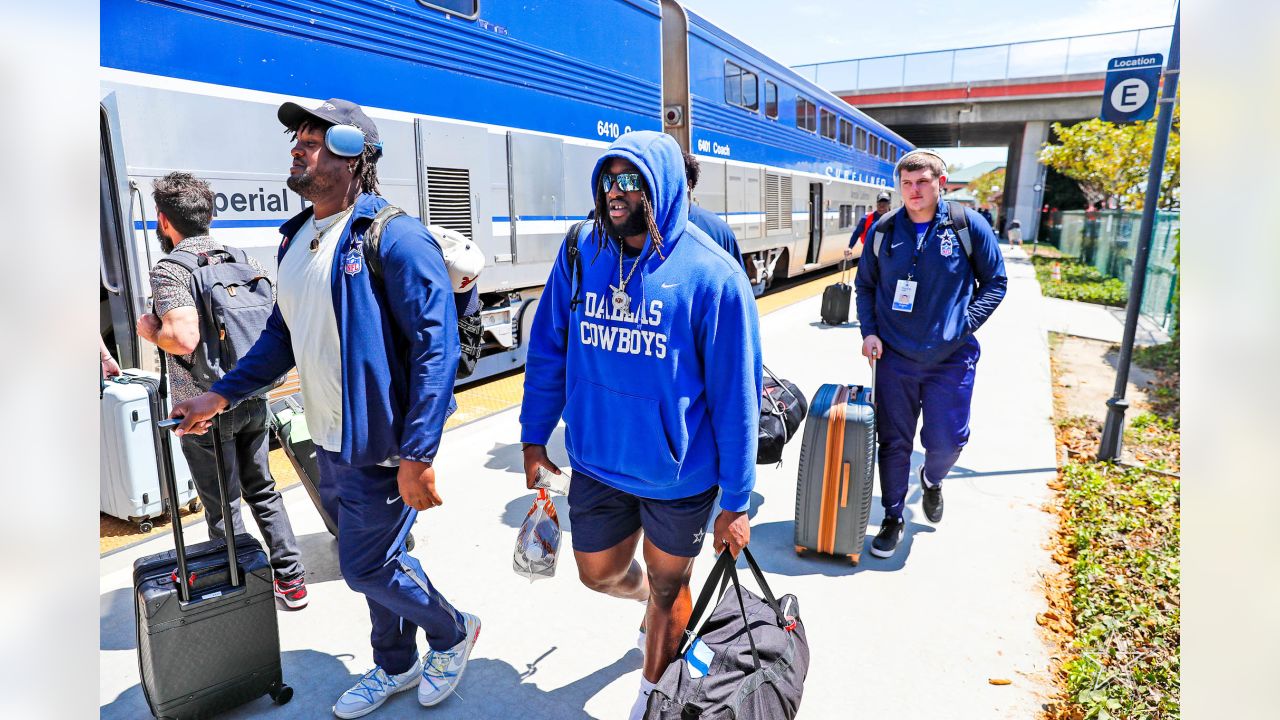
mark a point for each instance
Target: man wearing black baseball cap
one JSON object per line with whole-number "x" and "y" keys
{"x": 868, "y": 221}
{"x": 377, "y": 358}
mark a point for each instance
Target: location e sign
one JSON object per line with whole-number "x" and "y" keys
{"x": 1132, "y": 85}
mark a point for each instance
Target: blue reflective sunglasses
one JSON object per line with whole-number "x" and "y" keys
{"x": 627, "y": 182}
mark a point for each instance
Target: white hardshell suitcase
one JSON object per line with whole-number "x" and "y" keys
{"x": 130, "y": 479}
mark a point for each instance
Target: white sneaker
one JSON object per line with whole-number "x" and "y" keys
{"x": 373, "y": 689}
{"x": 442, "y": 670}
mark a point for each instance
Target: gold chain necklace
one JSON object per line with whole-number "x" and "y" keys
{"x": 315, "y": 241}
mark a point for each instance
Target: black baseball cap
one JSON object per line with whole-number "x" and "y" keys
{"x": 334, "y": 111}
{"x": 883, "y": 197}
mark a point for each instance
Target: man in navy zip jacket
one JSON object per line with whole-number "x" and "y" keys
{"x": 708, "y": 222}
{"x": 376, "y": 356}
{"x": 918, "y": 309}
{"x": 653, "y": 360}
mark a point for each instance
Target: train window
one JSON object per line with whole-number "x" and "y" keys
{"x": 469, "y": 9}
{"x": 770, "y": 99}
{"x": 884, "y": 149}
{"x": 806, "y": 114}
{"x": 846, "y": 132}
{"x": 741, "y": 87}
{"x": 828, "y": 124}
{"x": 732, "y": 84}
{"x": 893, "y": 153}
{"x": 846, "y": 216}
{"x": 862, "y": 140}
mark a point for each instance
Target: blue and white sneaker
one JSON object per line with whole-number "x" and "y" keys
{"x": 442, "y": 669}
{"x": 373, "y": 689}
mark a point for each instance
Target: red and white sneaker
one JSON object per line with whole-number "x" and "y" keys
{"x": 291, "y": 594}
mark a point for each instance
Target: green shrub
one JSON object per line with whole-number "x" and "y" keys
{"x": 1080, "y": 282}
{"x": 1164, "y": 358}
{"x": 1123, "y": 525}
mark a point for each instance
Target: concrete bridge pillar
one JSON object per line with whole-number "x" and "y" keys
{"x": 1024, "y": 173}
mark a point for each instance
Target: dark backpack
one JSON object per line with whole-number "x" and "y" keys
{"x": 470, "y": 326}
{"x": 752, "y": 655}
{"x": 782, "y": 409}
{"x": 574, "y": 256}
{"x": 233, "y": 301}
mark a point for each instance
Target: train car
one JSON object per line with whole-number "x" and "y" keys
{"x": 790, "y": 166}
{"x": 492, "y": 114}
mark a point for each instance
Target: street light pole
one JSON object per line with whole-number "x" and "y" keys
{"x": 1113, "y": 429}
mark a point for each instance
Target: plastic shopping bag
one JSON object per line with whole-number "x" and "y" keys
{"x": 538, "y": 541}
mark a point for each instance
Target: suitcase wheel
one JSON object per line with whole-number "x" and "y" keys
{"x": 194, "y": 506}
{"x": 854, "y": 558}
{"x": 280, "y": 693}
{"x": 801, "y": 550}
{"x": 145, "y": 526}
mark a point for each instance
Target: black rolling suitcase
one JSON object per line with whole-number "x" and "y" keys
{"x": 206, "y": 617}
{"x": 835, "y": 300}
{"x": 289, "y": 424}
{"x": 837, "y": 472}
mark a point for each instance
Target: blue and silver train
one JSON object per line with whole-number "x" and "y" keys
{"x": 492, "y": 113}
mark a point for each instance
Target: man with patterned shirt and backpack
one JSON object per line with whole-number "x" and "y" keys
{"x": 185, "y": 320}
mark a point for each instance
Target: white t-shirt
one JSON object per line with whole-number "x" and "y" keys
{"x": 304, "y": 293}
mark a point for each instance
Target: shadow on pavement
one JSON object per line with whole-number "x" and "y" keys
{"x": 510, "y": 457}
{"x": 823, "y": 326}
{"x": 320, "y": 556}
{"x": 116, "y": 627}
{"x": 317, "y": 680}
{"x": 495, "y": 689}
{"x": 773, "y": 545}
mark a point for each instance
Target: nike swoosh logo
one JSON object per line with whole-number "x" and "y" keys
{"x": 895, "y": 245}
{"x": 392, "y": 500}
{"x": 665, "y": 286}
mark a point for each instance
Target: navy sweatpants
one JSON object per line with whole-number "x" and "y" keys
{"x": 373, "y": 522}
{"x": 906, "y": 388}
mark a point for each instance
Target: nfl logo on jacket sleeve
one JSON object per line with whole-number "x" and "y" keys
{"x": 354, "y": 262}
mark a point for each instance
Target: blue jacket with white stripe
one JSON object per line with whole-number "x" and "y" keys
{"x": 398, "y": 334}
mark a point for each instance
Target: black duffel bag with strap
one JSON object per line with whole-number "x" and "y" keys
{"x": 782, "y": 410}
{"x": 747, "y": 662}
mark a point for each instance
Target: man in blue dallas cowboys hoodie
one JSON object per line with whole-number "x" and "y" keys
{"x": 918, "y": 308}
{"x": 654, "y": 363}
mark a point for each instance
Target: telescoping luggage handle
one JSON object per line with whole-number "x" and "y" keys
{"x": 184, "y": 580}
{"x": 726, "y": 569}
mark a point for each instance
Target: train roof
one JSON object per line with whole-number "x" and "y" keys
{"x": 782, "y": 72}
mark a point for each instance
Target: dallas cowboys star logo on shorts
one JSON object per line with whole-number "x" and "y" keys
{"x": 697, "y": 537}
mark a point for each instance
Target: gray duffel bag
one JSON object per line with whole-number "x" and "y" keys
{"x": 747, "y": 662}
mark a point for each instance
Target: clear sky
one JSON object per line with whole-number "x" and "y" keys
{"x": 796, "y": 32}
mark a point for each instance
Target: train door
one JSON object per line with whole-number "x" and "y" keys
{"x": 675, "y": 72}
{"x": 815, "y": 222}
{"x": 120, "y": 291}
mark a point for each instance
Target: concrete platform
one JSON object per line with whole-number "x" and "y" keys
{"x": 1098, "y": 322}
{"x": 916, "y": 636}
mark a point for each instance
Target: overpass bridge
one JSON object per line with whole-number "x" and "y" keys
{"x": 990, "y": 95}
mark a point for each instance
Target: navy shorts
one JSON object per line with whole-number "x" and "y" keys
{"x": 602, "y": 516}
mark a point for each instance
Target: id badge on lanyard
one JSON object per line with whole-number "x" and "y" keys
{"x": 904, "y": 296}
